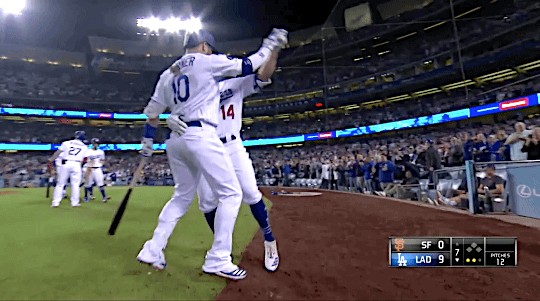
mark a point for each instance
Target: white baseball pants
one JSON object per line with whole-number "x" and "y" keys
{"x": 199, "y": 151}
{"x": 71, "y": 170}
{"x": 243, "y": 168}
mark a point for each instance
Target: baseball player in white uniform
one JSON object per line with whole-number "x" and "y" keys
{"x": 190, "y": 90}
{"x": 232, "y": 92}
{"x": 73, "y": 152}
{"x": 94, "y": 174}
{"x": 58, "y": 171}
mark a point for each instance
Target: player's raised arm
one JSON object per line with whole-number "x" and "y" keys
{"x": 267, "y": 69}
{"x": 223, "y": 66}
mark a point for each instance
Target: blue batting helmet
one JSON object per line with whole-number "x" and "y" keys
{"x": 193, "y": 39}
{"x": 95, "y": 140}
{"x": 80, "y": 135}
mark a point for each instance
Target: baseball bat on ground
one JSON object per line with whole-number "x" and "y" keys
{"x": 122, "y": 207}
{"x": 49, "y": 179}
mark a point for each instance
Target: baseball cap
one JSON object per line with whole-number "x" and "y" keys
{"x": 491, "y": 165}
{"x": 192, "y": 39}
{"x": 95, "y": 140}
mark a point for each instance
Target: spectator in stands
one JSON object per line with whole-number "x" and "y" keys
{"x": 286, "y": 173}
{"x": 490, "y": 186}
{"x": 367, "y": 166}
{"x": 500, "y": 149}
{"x": 455, "y": 197}
{"x": 467, "y": 146}
{"x": 386, "y": 173}
{"x": 325, "y": 175}
{"x": 359, "y": 173}
{"x": 433, "y": 159}
{"x": 532, "y": 146}
{"x": 516, "y": 141}
{"x": 455, "y": 153}
{"x": 403, "y": 190}
{"x": 481, "y": 149}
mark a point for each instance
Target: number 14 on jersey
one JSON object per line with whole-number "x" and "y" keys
{"x": 229, "y": 113}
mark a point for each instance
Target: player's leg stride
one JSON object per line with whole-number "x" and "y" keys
{"x": 271, "y": 257}
{"x": 229, "y": 131}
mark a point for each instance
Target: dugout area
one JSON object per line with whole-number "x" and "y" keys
{"x": 333, "y": 246}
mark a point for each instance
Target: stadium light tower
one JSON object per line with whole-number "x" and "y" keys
{"x": 14, "y": 7}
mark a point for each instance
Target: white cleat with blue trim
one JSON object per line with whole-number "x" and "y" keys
{"x": 271, "y": 257}
{"x": 235, "y": 274}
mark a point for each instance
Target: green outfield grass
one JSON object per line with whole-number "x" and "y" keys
{"x": 65, "y": 253}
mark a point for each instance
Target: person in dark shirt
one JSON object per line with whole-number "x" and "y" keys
{"x": 490, "y": 186}
{"x": 467, "y": 147}
{"x": 455, "y": 153}
{"x": 401, "y": 191}
{"x": 481, "y": 149}
{"x": 532, "y": 145}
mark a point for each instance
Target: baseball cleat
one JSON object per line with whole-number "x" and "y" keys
{"x": 158, "y": 265}
{"x": 106, "y": 199}
{"x": 78, "y": 205}
{"x": 85, "y": 200}
{"x": 92, "y": 197}
{"x": 236, "y": 274}
{"x": 55, "y": 206}
{"x": 271, "y": 257}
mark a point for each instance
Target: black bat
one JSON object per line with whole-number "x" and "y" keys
{"x": 122, "y": 207}
{"x": 48, "y": 187}
{"x": 49, "y": 180}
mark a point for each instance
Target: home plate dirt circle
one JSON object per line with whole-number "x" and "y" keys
{"x": 9, "y": 192}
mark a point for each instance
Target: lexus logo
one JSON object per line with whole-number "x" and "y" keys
{"x": 524, "y": 191}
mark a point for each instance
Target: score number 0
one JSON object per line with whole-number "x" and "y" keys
{"x": 440, "y": 245}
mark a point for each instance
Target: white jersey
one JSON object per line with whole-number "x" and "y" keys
{"x": 58, "y": 161}
{"x": 232, "y": 93}
{"x": 194, "y": 95}
{"x": 95, "y": 157}
{"x": 73, "y": 150}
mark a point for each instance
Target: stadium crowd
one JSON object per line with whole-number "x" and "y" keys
{"x": 57, "y": 82}
{"x": 36, "y": 132}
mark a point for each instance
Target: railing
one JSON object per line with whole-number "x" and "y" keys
{"x": 408, "y": 65}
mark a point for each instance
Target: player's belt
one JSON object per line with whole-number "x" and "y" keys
{"x": 196, "y": 123}
{"x": 224, "y": 139}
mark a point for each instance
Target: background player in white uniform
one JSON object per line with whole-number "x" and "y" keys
{"x": 94, "y": 174}
{"x": 190, "y": 90}
{"x": 58, "y": 171}
{"x": 73, "y": 152}
{"x": 233, "y": 91}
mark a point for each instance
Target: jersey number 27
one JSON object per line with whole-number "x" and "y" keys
{"x": 181, "y": 92}
{"x": 230, "y": 112}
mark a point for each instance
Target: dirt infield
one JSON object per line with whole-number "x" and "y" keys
{"x": 335, "y": 246}
{"x": 9, "y": 192}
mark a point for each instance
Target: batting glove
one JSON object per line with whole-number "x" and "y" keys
{"x": 176, "y": 125}
{"x": 276, "y": 41}
{"x": 147, "y": 150}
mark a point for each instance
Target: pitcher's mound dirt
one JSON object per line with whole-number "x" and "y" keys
{"x": 335, "y": 246}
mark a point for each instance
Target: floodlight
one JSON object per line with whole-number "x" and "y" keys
{"x": 12, "y": 6}
{"x": 192, "y": 25}
{"x": 172, "y": 25}
{"x": 153, "y": 24}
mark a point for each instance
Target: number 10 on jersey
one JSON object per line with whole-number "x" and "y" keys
{"x": 180, "y": 89}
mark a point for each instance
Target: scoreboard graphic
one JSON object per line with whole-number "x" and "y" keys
{"x": 452, "y": 251}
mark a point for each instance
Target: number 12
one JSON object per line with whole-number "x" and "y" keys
{"x": 230, "y": 112}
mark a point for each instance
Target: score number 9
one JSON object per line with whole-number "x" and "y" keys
{"x": 440, "y": 245}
